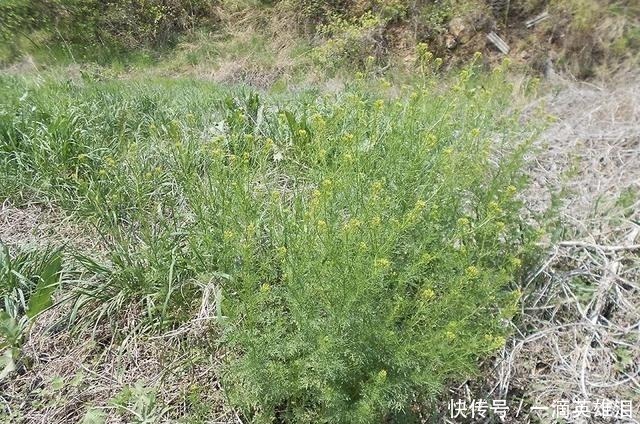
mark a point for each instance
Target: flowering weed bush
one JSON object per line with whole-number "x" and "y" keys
{"x": 363, "y": 244}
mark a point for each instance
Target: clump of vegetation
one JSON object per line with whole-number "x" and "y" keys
{"x": 87, "y": 27}
{"x": 585, "y": 37}
{"x": 28, "y": 281}
{"x": 594, "y": 37}
{"x": 362, "y": 247}
{"x": 351, "y": 42}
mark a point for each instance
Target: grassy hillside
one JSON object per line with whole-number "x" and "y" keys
{"x": 263, "y": 41}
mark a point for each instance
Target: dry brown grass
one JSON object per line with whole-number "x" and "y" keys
{"x": 579, "y": 334}
{"x": 96, "y": 365}
{"x": 37, "y": 225}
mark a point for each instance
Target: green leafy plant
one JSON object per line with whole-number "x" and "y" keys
{"x": 139, "y": 403}
{"x": 27, "y": 284}
{"x": 357, "y": 251}
{"x": 357, "y": 41}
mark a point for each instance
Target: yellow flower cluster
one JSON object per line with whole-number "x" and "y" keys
{"x": 430, "y": 141}
{"x": 463, "y": 222}
{"x": 376, "y": 188}
{"x": 381, "y": 264}
{"x": 494, "y": 342}
{"x": 352, "y": 224}
{"x": 494, "y": 207}
{"x": 472, "y": 271}
{"x": 428, "y": 294}
{"x": 265, "y": 288}
{"x": 414, "y": 214}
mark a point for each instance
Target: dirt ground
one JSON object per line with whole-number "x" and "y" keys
{"x": 575, "y": 352}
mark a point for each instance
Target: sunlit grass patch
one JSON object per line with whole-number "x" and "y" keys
{"x": 356, "y": 251}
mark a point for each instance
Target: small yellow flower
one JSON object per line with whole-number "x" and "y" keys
{"x": 472, "y": 271}
{"x": 228, "y": 235}
{"x": 376, "y": 187}
{"x": 463, "y": 222}
{"x": 382, "y": 263}
{"x": 450, "y": 335}
{"x": 426, "y": 258}
{"x": 430, "y": 141}
{"x": 302, "y": 132}
{"x": 498, "y": 342}
{"x": 475, "y": 132}
{"x": 511, "y": 190}
{"x": 428, "y": 294}
{"x": 363, "y": 246}
{"x": 494, "y": 207}
{"x": 352, "y": 224}
{"x": 379, "y": 104}
{"x": 265, "y": 288}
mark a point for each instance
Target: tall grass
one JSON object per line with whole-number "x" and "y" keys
{"x": 364, "y": 243}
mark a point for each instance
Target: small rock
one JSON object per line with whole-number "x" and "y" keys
{"x": 450, "y": 41}
{"x": 457, "y": 27}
